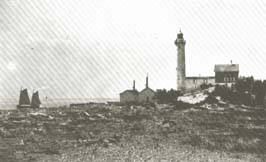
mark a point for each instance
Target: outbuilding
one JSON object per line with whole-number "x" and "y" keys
{"x": 147, "y": 94}
{"x": 133, "y": 96}
{"x": 129, "y": 96}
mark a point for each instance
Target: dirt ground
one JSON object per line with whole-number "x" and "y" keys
{"x": 206, "y": 132}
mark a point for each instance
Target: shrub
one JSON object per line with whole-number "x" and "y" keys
{"x": 167, "y": 97}
{"x": 205, "y": 86}
{"x": 245, "y": 91}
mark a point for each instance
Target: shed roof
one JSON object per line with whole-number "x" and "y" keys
{"x": 145, "y": 89}
{"x": 135, "y": 92}
{"x": 226, "y": 68}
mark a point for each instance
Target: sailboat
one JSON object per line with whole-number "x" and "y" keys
{"x": 24, "y": 100}
{"x": 35, "y": 100}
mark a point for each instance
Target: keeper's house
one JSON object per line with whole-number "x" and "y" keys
{"x": 226, "y": 73}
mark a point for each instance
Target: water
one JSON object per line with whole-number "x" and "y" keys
{"x": 56, "y": 102}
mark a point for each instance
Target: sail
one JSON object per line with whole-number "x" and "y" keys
{"x": 35, "y": 101}
{"x": 24, "y": 97}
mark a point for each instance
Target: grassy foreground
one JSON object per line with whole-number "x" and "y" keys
{"x": 134, "y": 133}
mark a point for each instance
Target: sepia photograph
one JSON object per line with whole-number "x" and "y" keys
{"x": 132, "y": 81}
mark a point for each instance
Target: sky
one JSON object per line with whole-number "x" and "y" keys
{"x": 96, "y": 48}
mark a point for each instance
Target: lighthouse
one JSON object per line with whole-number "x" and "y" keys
{"x": 181, "y": 64}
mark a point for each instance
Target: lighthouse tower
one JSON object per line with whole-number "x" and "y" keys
{"x": 181, "y": 64}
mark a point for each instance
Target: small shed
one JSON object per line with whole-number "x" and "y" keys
{"x": 147, "y": 94}
{"x": 129, "y": 96}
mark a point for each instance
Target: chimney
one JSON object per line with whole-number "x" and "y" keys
{"x": 147, "y": 81}
{"x": 134, "y": 88}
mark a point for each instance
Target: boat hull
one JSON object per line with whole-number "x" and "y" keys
{"x": 23, "y": 106}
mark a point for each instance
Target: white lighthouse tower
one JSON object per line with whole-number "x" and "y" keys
{"x": 181, "y": 64}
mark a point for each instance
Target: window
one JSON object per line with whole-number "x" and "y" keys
{"x": 226, "y": 79}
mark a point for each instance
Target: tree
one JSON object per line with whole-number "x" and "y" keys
{"x": 205, "y": 86}
{"x": 259, "y": 92}
{"x": 245, "y": 91}
{"x": 165, "y": 97}
{"x": 161, "y": 95}
{"x": 172, "y": 95}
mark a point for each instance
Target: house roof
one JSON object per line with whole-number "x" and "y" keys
{"x": 135, "y": 92}
{"x": 147, "y": 89}
{"x": 226, "y": 68}
{"x": 200, "y": 77}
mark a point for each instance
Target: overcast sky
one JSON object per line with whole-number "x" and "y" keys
{"x": 95, "y": 48}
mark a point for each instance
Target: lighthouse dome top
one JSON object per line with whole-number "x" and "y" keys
{"x": 180, "y": 35}
{"x": 180, "y": 39}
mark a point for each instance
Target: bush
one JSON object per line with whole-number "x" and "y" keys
{"x": 179, "y": 105}
{"x": 246, "y": 91}
{"x": 211, "y": 99}
{"x": 205, "y": 86}
{"x": 167, "y": 97}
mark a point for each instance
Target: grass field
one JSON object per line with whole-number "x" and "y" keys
{"x": 134, "y": 133}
